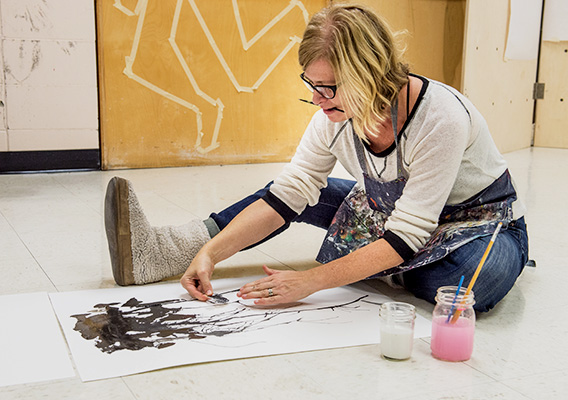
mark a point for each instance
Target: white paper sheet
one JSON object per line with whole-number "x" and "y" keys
{"x": 32, "y": 348}
{"x": 554, "y": 27}
{"x": 186, "y": 331}
{"x": 524, "y": 30}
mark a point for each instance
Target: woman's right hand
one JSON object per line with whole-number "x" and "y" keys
{"x": 197, "y": 278}
{"x": 250, "y": 226}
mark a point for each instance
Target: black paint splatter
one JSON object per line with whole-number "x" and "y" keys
{"x": 135, "y": 325}
{"x": 217, "y": 299}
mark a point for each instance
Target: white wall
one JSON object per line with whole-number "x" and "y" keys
{"x": 3, "y": 134}
{"x": 501, "y": 89}
{"x": 49, "y": 79}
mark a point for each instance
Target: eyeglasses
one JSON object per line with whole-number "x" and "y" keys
{"x": 326, "y": 91}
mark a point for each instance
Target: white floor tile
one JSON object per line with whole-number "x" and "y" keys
{"x": 520, "y": 344}
{"x": 360, "y": 372}
{"x": 550, "y": 386}
{"x": 70, "y": 389}
{"x": 23, "y": 276}
{"x": 487, "y": 391}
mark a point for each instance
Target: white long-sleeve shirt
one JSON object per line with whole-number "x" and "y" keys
{"x": 448, "y": 153}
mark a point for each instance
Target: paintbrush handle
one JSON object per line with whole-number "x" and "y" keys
{"x": 477, "y": 271}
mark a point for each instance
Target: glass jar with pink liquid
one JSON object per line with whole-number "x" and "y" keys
{"x": 453, "y": 324}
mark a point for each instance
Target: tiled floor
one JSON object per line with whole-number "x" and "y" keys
{"x": 52, "y": 239}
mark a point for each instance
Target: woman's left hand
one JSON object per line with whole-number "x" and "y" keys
{"x": 277, "y": 287}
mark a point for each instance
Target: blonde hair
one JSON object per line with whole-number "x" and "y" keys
{"x": 365, "y": 57}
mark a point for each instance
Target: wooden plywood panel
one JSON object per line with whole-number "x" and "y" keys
{"x": 434, "y": 35}
{"x": 501, "y": 90}
{"x": 189, "y": 82}
{"x": 551, "y": 122}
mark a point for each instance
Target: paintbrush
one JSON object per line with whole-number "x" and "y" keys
{"x": 309, "y": 102}
{"x": 476, "y": 274}
{"x": 455, "y": 298}
{"x": 314, "y": 104}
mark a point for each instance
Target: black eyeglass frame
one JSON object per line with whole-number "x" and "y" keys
{"x": 317, "y": 88}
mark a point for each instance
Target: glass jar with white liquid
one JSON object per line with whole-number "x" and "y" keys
{"x": 397, "y": 330}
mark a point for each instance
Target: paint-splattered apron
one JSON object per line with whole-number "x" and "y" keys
{"x": 361, "y": 217}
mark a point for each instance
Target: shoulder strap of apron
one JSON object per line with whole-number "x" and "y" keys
{"x": 400, "y": 172}
{"x": 361, "y": 151}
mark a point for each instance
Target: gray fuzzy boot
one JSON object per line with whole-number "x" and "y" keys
{"x": 141, "y": 253}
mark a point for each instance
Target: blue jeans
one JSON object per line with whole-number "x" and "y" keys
{"x": 500, "y": 271}
{"x": 319, "y": 215}
{"x": 504, "y": 264}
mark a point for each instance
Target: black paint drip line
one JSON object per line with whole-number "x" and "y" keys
{"x": 372, "y": 302}
{"x": 135, "y": 325}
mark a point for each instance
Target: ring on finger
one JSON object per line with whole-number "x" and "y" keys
{"x": 270, "y": 292}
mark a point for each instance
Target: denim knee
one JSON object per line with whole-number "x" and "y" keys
{"x": 498, "y": 275}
